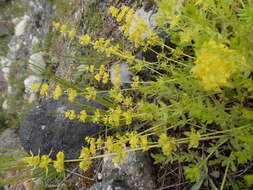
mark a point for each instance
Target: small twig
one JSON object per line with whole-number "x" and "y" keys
{"x": 79, "y": 175}
{"x": 239, "y": 173}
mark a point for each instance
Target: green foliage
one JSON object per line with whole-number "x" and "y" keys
{"x": 193, "y": 105}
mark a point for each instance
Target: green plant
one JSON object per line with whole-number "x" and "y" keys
{"x": 195, "y": 104}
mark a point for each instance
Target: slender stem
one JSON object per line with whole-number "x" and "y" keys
{"x": 226, "y": 172}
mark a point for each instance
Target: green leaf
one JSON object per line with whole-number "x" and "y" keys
{"x": 248, "y": 179}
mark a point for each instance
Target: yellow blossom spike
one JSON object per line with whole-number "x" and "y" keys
{"x": 99, "y": 142}
{"x": 105, "y": 78}
{"x": 44, "y": 89}
{"x": 144, "y": 143}
{"x": 70, "y": 114}
{"x": 57, "y": 92}
{"x": 114, "y": 11}
{"x": 63, "y": 28}
{"x": 59, "y": 163}
{"x": 32, "y": 160}
{"x": 91, "y": 93}
{"x": 98, "y": 77}
{"x": 45, "y": 160}
{"x": 72, "y": 94}
{"x": 35, "y": 87}
{"x": 109, "y": 144}
{"x": 128, "y": 117}
{"x": 133, "y": 140}
{"x": 135, "y": 82}
{"x": 92, "y": 68}
{"x": 83, "y": 116}
{"x": 166, "y": 144}
{"x": 72, "y": 34}
{"x": 56, "y": 25}
{"x": 85, "y": 164}
{"x": 96, "y": 116}
{"x": 85, "y": 39}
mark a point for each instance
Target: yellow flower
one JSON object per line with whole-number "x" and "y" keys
{"x": 99, "y": 142}
{"x": 85, "y": 39}
{"x": 85, "y": 164}
{"x": 166, "y": 144}
{"x": 70, "y": 114}
{"x": 128, "y": 116}
{"x": 57, "y": 92}
{"x": 114, "y": 11}
{"x": 135, "y": 82}
{"x": 72, "y": 34}
{"x": 56, "y": 25}
{"x": 105, "y": 78}
{"x": 82, "y": 116}
{"x": 123, "y": 12}
{"x": 63, "y": 28}
{"x": 45, "y": 160}
{"x": 44, "y": 89}
{"x": 59, "y": 163}
{"x": 128, "y": 20}
{"x": 35, "y": 87}
{"x": 72, "y": 95}
{"x": 133, "y": 139}
{"x": 215, "y": 64}
{"x": 98, "y": 77}
{"x": 92, "y": 143}
{"x": 114, "y": 116}
{"x": 91, "y": 93}
{"x": 128, "y": 101}
{"x": 32, "y": 160}
{"x": 109, "y": 144}
{"x": 84, "y": 152}
{"x": 144, "y": 143}
{"x": 96, "y": 116}
{"x": 85, "y": 155}
{"x": 194, "y": 139}
{"x": 91, "y": 68}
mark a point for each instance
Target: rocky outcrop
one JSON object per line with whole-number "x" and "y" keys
{"x": 46, "y": 129}
{"x": 136, "y": 172}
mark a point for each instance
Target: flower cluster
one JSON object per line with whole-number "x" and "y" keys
{"x": 167, "y": 145}
{"x": 136, "y": 28}
{"x": 44, "y": 160}
{"x": 71, "y": 115}
{"x": 102, "y": 75}
{"x": 42, "y": 89}
{"x": 215, "y": 64}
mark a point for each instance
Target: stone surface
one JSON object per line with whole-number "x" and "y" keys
{"x": 110, "y": 185}
{"x": 20, "y": 28}
{"x": 36, "y": 62}
{"x": 46, "y": 129}
{"x": 3, "y": 29}
{"x": 4, "y": 1}
{"x": 136, "y": 172}
{"x": 9, "y": 140}
{"x": 125, "y": 74}
{"x": 29, "y": 80}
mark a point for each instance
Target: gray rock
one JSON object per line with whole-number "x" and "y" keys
{"x": 37, "y": 62}
{"x": 136, "y": 172}
{"x": 3, "y": 29}
{"x": 110, "y": 185}
{"x": 9, "y": 140}
{"x": 4, "y": 1}
{"x": 20, "y": 28}
{"x": 46, "y": 129}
